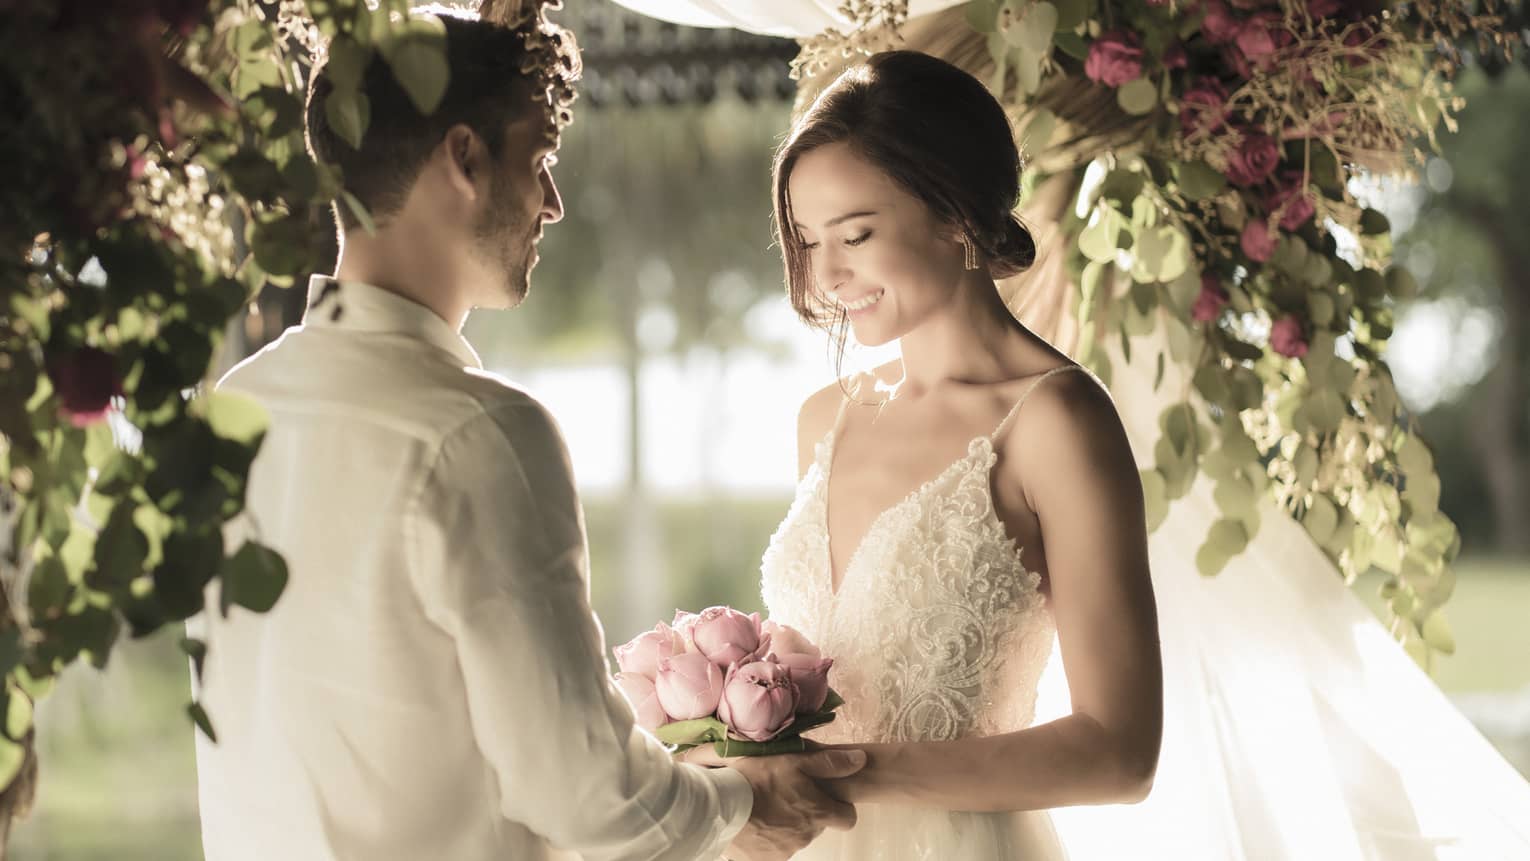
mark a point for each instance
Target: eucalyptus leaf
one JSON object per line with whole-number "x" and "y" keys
{"x": 1101, "y": 236}
{"x": 1071, "y": 13}
{"x": 1137, "y": 97}
{"x": 1436, "y": 632}
{"x": 1321, "y": 519}
{"x": 235, "y": 417}
{"x": 203, "y": 722}
{"x": 419, "y": 66}
{"x": 1154, "y": 497}
{"x": 254, "y": 578}
{"x": 1198, "y": 180}
{"x": 1373, "y": 223}
{"x": 349, "y": 113}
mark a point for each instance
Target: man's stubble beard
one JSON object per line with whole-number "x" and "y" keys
{"x": 501, "y": 238}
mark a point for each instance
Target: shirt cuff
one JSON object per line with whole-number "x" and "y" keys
{"x": 735, "y": 801}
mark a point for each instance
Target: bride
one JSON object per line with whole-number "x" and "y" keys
{"x": 959, "y": 503}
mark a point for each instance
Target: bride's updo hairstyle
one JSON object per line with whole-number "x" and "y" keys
{"x": 935, "y": 131}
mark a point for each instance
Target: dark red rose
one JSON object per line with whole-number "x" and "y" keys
{"x": 86, "y": 381}
{"x": 1220, "y": 25}
{"x": 1203, "y": 106}
{"x": 1290, "y": 194}
{"x": 1174, "y": 56}
{"x": 1286, "y": 338}
{"x": 1253, "y": 160}
{"x": 1208, "y": 305}
{"x": 1114, "y": 59}
{"x": 1257, "y": 241}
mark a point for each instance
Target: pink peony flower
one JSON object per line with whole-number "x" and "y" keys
{"x": 1203, "y": 106}
{"x": 727, "y": 636}
{"x": 1286, "y": 337}
{"x": 1257, "y": 241}
{"x": 811, "y": 675}
{"x": 688, "y": 685}
{"x": 1290, "y": 194}
{"x": 641, "y": 654}
{"x": 1253, "y": 160}
{"x": 1114, "y": 59}
{"x": 1220, "y": 25}
{"x": 1208, "y": 305}
{"x": 759, "y": 700}
{"x": 786, "y": 640}
{"x": 644, "y": 698}
{"x": 86, "y": 380}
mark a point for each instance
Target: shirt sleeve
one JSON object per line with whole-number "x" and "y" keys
{"x": 500, "y": 564}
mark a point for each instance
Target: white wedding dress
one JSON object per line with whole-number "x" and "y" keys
{"x": 937, "y": 632}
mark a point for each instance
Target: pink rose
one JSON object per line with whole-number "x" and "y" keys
{"x": 1208, "y": 305}
{"x": 86, "y": 381}
{"x": 1114, "y": 59}
{"x": 1261, "y": 36}
{"x": 786, "y": 640}
{"x": 1253, "y": 160}
{"x": 727, "y": 636}
{"x": 1203, "y": 106}
{"x": 759, "y": 700}
{"x": 683, "y": 624}
{"x": 642, "y": 653}
{"x": 1219, "y": 25}
{"x": 688, "y": 685}
{"x": 811, "y": 676}
{"x": 1323, "y": 8}
{"x": 1286, "y": 338}
{"x": 1237, "y": 62}
{"x": 1257, "y": 241}
{"x": 644, "y": 698}
{"x": 1291, "y": 201}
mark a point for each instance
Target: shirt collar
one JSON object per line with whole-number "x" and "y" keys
{"x": 358, "y": 307}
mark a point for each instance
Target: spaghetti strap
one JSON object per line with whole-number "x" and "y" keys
{"x": 1013, "y": 411}
{"x": 844, "y": 405}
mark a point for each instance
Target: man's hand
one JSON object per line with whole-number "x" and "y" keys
{"x": 790, "y": 809}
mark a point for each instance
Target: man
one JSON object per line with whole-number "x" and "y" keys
{"x": 433, "y": 684}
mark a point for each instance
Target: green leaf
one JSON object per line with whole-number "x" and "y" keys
{"x": 697, "y": 731}
{"x": 1210, "y": 560}
{"x": 1198, "y": 180}
{"x": 1436, "y": 632}
{"x": 349, "y": 113}
{"x": 1163, "y": 253}
{"x": 203, "y": 722}
{"x": 419, "y": 65}
{"x": 1101, "y": 236}
{"x": 1325, "y": 410}
{"x": 1422, "y": 494}
{"x": 120, "y": 552}
{"x": 1414, "y": 456}
{"x": 1321, "y": 306}
{"x": 1373, "y": 223}
{"x": 1235, "y": 497}
{"x": 1038, "y": 132}
{"x": 359, "y": 210}
{"x": 18, "y": 715}
{"x": 235, "y": 417}
{"x": 254, "y": 578}
{"x": 1071, "y": 44}
{"x": 12, "y": 757}
{"x": 1071, "y": 13}
{"x": 1228, "y": 536}
{"x": 280, "y": 245}
{"x": 1321, "y": 519}
{"x": 982, "y": 15}
{"x": 1401, "y": 283}
{"x": 196, "y": 650}
{"x": 347, "y": 62}
{"x": 1137, "y": 97}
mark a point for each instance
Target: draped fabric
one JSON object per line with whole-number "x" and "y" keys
{"x": 1295, "y": 725}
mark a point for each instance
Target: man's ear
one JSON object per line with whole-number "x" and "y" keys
{"x": 466, "y": 161}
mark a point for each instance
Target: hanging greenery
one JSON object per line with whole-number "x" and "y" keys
{"x": 1215, "y": 148}
{"x": 160, "y": 180}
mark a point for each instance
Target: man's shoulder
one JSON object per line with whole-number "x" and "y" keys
{"x": 412, "y": 389}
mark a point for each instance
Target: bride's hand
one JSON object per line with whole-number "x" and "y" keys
{"x": 706, "y": 754}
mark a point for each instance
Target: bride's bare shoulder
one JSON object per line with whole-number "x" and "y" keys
{"x": 814, "y": 420}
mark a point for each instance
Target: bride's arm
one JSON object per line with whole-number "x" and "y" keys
{"x": 1080, "y": 479}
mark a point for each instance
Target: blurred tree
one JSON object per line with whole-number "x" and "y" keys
{"x": 1469, "y": 246}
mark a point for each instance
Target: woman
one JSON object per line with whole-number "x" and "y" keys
{"x": 959, "y": 504}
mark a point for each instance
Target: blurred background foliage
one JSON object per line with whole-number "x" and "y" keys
{"x": 665, "y": 261}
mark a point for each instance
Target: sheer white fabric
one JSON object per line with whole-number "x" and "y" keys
{"x": 938, "y": 632}
{"x": 789, "y": 18}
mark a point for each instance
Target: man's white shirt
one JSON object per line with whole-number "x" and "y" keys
{"x": 432, "y": 684}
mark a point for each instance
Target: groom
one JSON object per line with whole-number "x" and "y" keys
{"x": 433, "y": 683}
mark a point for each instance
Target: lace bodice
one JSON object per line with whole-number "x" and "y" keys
{"x": 937, "y": 631}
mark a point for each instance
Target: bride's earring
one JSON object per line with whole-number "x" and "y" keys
{"x": 969, "y": 250}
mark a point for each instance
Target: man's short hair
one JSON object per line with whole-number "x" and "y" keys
{"x": 486, "y": 91}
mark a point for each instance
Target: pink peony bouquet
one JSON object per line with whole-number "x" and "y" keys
{"x": 748, "y": 687}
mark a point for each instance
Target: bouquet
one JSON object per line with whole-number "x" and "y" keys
{"x": 747, "y": 687}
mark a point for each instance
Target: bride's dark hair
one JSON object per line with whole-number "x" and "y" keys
{"x": 934, "y": 130}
